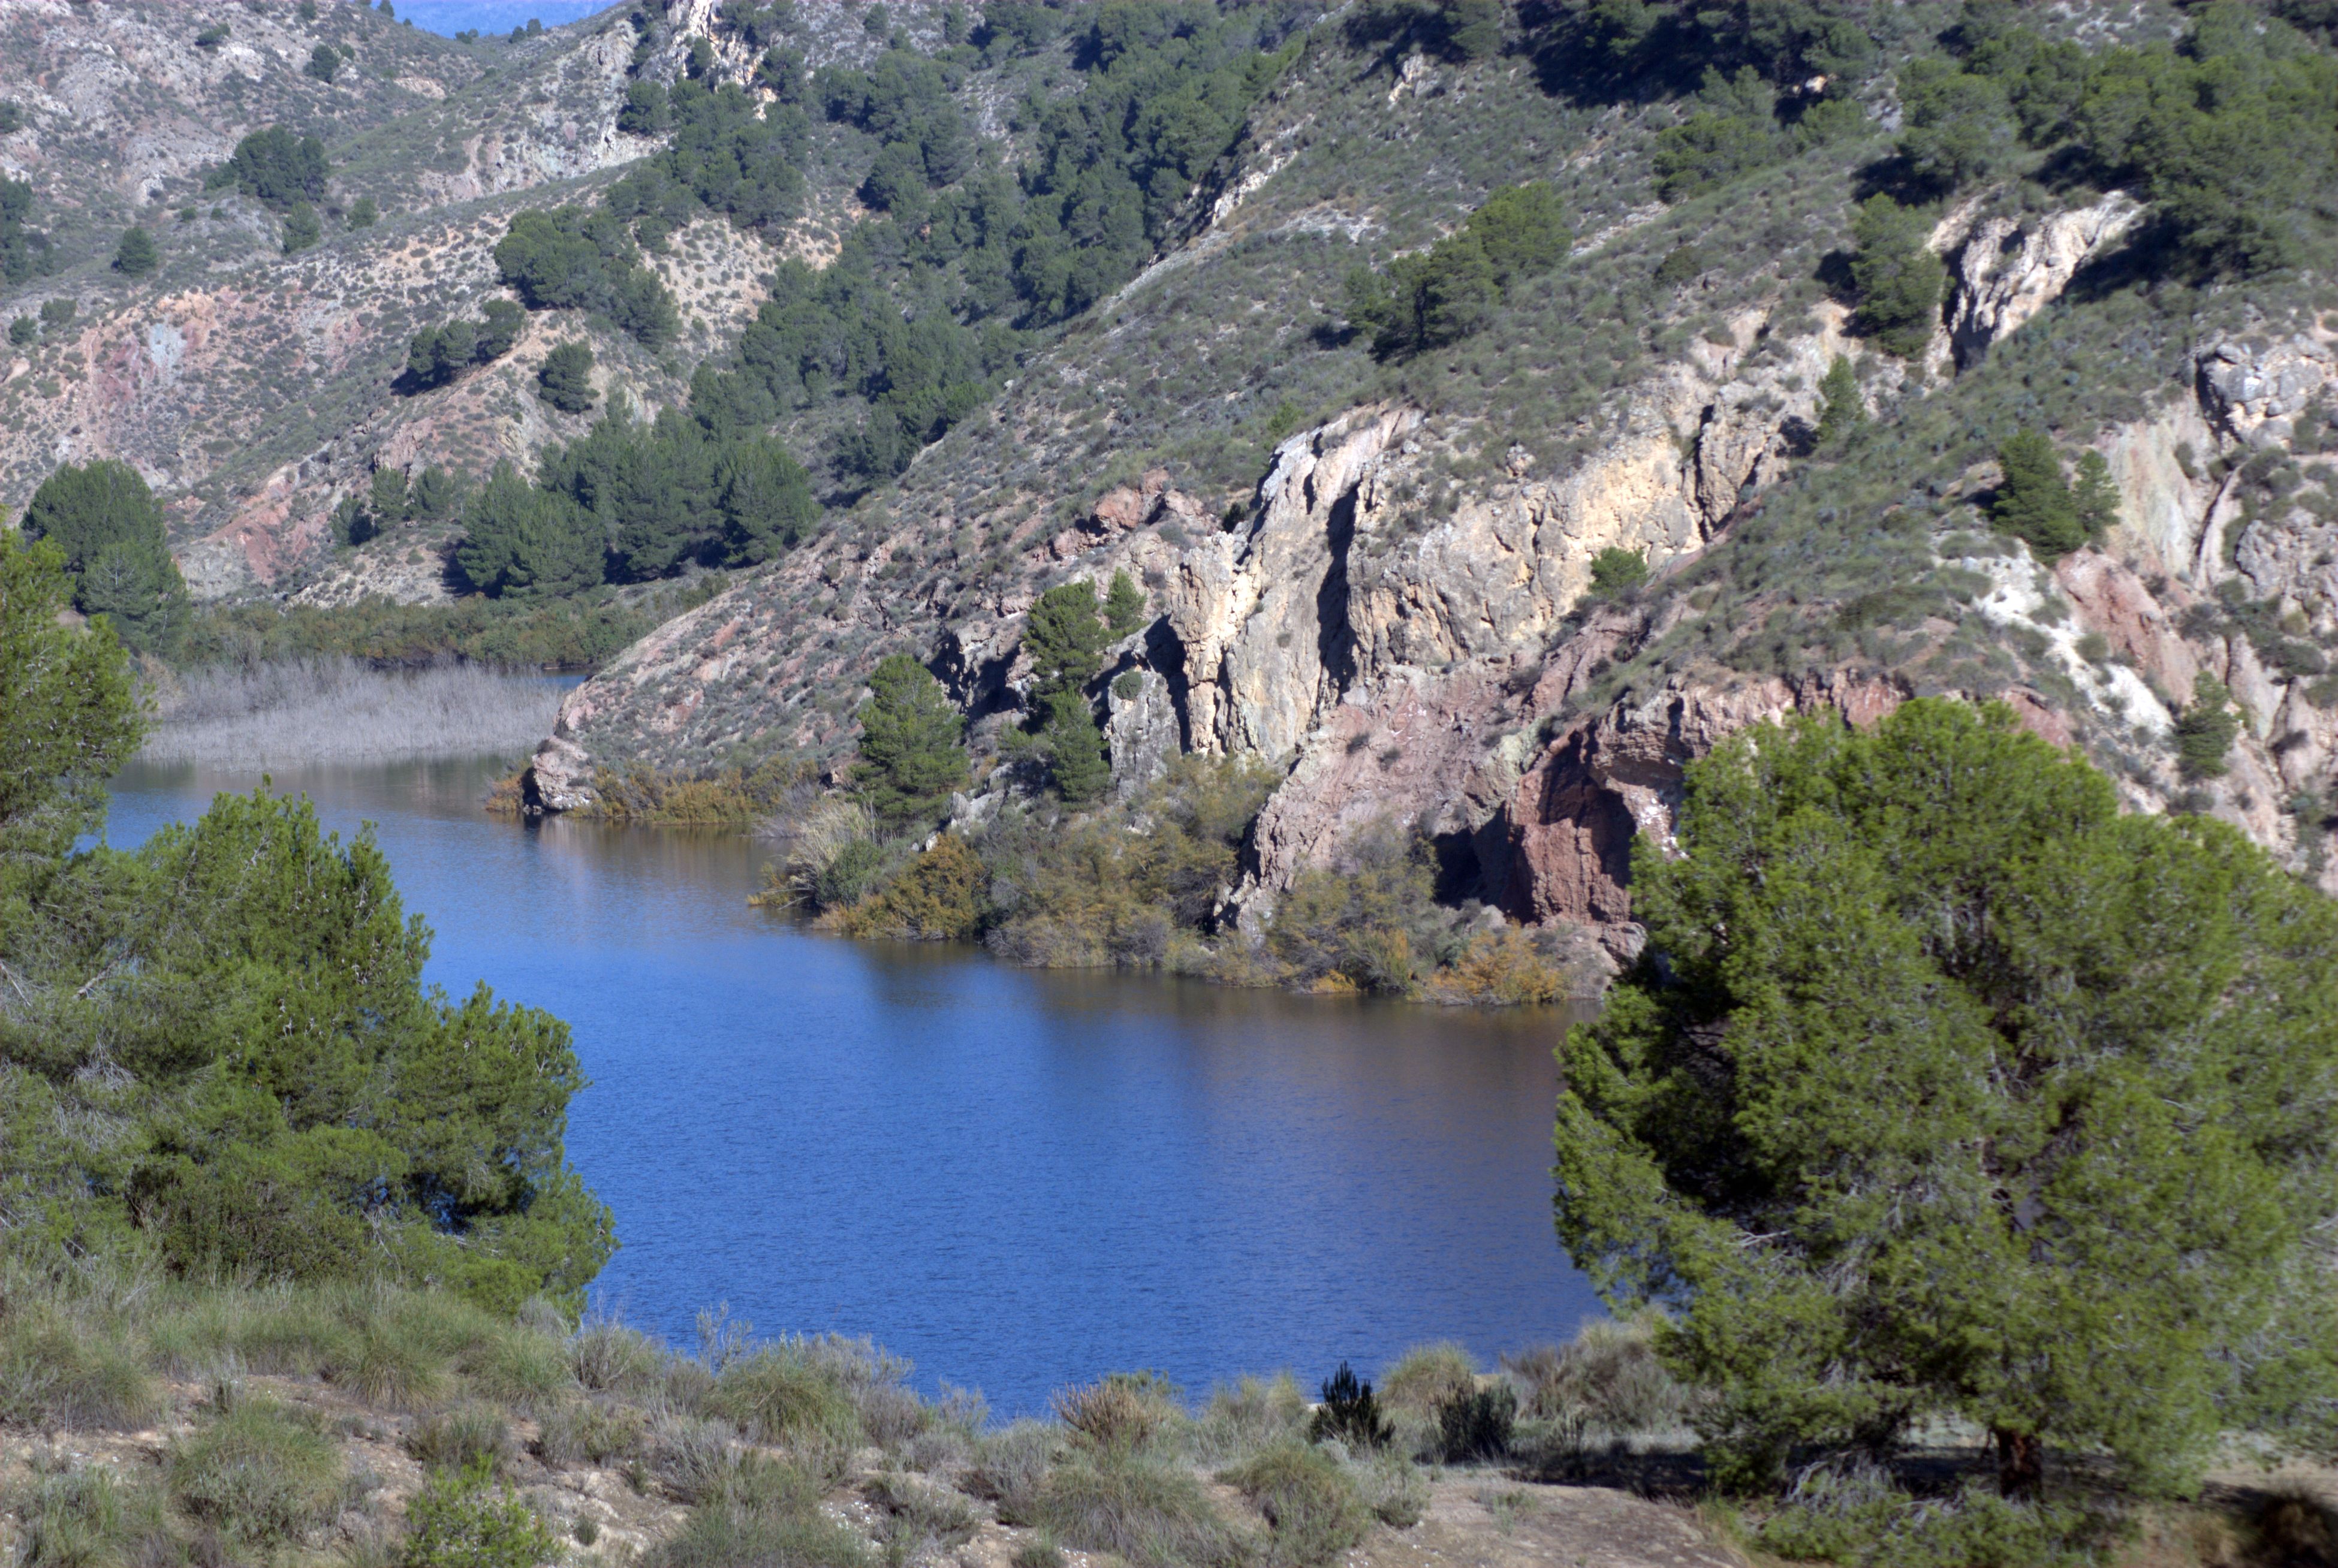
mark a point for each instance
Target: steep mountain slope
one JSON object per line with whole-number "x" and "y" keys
{"x": 257, "y": 388}
{"x": 1390, "y": 607}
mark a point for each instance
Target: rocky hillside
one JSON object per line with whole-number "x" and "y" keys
{"x": 1366, "y": 560}
{"x": 1390, "y": 605}
{"x": 258, "y": 389}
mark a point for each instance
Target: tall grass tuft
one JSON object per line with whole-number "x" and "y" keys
{"x": 56, "y": 1372}
{"x": 257, "y": 1474}
{"x": 1151, "y": 1514}
{"x": 1428, "y": 1376}
{"x": 340, "y": 711}
{"x": 1312, "y": 1508}
{"x": 88, "y": 1517}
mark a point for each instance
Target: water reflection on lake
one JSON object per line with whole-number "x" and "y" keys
{"x": 1019, "y": 1179}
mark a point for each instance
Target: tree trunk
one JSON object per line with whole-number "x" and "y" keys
{"x": 2021, "y": 1463}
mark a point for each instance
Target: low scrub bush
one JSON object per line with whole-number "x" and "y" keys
{"x": 467, "y": 1436}
{"x": 736, "y": 1538}
{"x": 1255, "y": 1413}
{"x": 588, "y": 1432}
{"x": 611, "y": 1358}
{"x": 782, "y": 1391}
{"x": 1118, "y": 1416}
{"x": 1607, "y": 1380}
{"x": 55, "y": 1373}
{"x": 1428, "y": 1376}
{"x": 1151, "y": 1514}
{"x": 461, "y": 1519}
{"x": 258, "y": 1473}
{"x": 89, "y": 1517}
{"x": 1011, "y": 1466}
{"x": 1856, "y": 1515}
{"x": 920, "y": 1517}
{"x": 1476, "y": 1425}
{"x": 1313, "y": 1511}
{"x": 1392, "y": 1486}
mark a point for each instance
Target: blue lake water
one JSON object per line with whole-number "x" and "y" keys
{"x": 1019, "y": 1179}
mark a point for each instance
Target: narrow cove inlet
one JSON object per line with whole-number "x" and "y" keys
{"x": 1019, "y": 1179}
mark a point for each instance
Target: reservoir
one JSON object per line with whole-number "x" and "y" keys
{"x": 1019, "y": 1179}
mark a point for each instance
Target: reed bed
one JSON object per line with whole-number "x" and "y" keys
{"x": 339, "y": 711}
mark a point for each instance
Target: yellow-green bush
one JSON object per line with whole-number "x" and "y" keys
{"x": 1312, "y": 1508}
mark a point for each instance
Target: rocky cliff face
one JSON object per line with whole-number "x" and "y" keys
{"x": 1405, "y": 646}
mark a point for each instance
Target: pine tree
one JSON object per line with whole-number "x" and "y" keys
{"x": 2205, "y": 729}
{"x": 1946, "y": 1089}
{"x": 566, "y": 381}
{"x": 137, "y": 255}
{"x": 1064, "y": 639}
{"x": 2033, "y": 500}
{"x": 913, "y": 752}
{"x": 1124, "y": 605}
{"x": 1075, "y": 748}
{"x": 1899, "y": 279}
{"x": 2094, "y": 496}
{"x": 1841, "y": 409}
{"x": 301, "y": 228}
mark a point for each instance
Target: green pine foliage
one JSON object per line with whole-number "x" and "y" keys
{"x": 301, "y": 228}
{"x": 1616, "y": 571}
{"x": 912, "y": 745}
{"x": 1945, "y": 1090}
{"x": 1440, "y": 296}
{"x": 363, "y": 213}
{"x": 137, "y": 255}
{"x": 324, "y": 62}
{"x": 462, "y": 1519}
{"x": 1064, "y": 638}
{"x": 278, "y": 168}
{"x": 1124, "y": 605}
{"x": 1074, "y": 746}
{"x": 2205, "y": 729}
{"x": 1742, "y": 124}
{"x": 1842, "y": 408}
{"x": 565, "y": 379}
{"x": 728, "y": 154}
{"x": 436, "y": 356}
{"x": 105, "y": 519}
{"x": 2094, "y": 494}
{"x": 25, "y": 250}
{"x": 1900, "y": 280}
{"x": 579, "y": 258}
{"x": 218, "y": 1054}
{"x": 2033, "y": 501}
{"x": 524, "y": 542}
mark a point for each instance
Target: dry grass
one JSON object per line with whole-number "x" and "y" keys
{"x": 340, "y": 711}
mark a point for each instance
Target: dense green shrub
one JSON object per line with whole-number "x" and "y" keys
{"x": 2205, "y": 729}
{"x": 522, "y": 541}
{"x": 1475, "y": 1423}
{"x": 2033, "y": 500}
{"x": 324, "y": 62}
{"x": 1858, "y": 918}
{"x": 301, "y": 228}
{"x": 292, "y": 1101}
{"x": 1900, "y": 280}
{"x": 1349, "y": 1414}
{"x": 1312, "y": 1511}
{"x": 25, "y": 250}
{"x": 260, "y": 1473}
{"x": 1443, "y": 294}
{"x": 912, "y": 745}
{"x": 461, "y": 1520}
{"x": 579, "y": 259}
{"x": 436, "y": 356}
{"x": 137, "y": 255}
{"x": 109, "y": 524}
{"x": 279, "y": 168}
{"x": 1148, "y": 1511}
{"x": 1842, "y": 408}
{"x": 564, "y": 380}
{"x": 1615, "y": 571}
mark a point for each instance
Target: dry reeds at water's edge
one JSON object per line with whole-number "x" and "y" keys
{"x": 339, "y": 711}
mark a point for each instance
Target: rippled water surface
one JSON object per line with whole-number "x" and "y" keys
{"x": 1018, "y": 1178}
